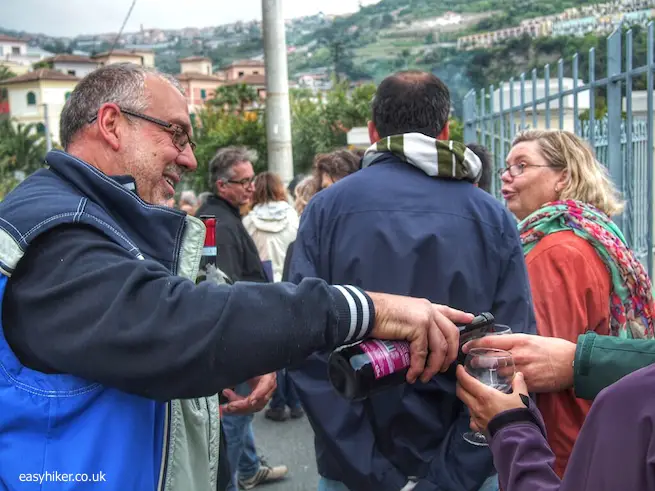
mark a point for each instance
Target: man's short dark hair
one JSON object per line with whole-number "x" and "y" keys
{"x": 487, "y": 165}
{"x": 411, "y": 102}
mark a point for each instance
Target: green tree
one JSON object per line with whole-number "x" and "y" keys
{"x": 321, "y": 123}
{"x": 22, "y": 150}
{"x": 456, "y": 130}
{"x": 6, "y": 73}
{"x": 216, "y": 128}
{"x": 233, "y": 97}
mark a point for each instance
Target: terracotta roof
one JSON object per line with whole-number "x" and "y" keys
{"x": 195, "y": 58}
{"x": 244, "y": 63}
{"x": 186, "y": 76}
{"x": 122, "y": 52}
{"x": 8, "y": 39}
{"x": 258, "y": 79}
{"x": 69, "y": 59}
{"x": 41, "y": 74}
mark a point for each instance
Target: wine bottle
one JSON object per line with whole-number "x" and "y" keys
{"x": 366, "y": 367}
{"x": 208, "y": 258}
{"x": 208, "y": 271}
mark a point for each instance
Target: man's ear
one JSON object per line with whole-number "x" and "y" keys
{"x": 109, "y": 126}
{"x": 445, "y": 132}
{"x": 373, "y": 134}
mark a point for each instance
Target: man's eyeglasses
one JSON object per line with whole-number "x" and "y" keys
{"x": 516, "y": 170}
{"x": 244, "y": 183}
{"x": 178, "y": 134}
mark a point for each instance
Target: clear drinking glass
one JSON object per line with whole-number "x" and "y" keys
{"x": 492, "y": 367}
{"x": 495, "y": 330}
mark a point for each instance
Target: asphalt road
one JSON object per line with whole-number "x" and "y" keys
{"x": 290, "y": 443}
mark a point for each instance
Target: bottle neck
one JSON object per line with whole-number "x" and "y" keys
{"x": 209, "y": 247}
{"x": 210, "y": 234}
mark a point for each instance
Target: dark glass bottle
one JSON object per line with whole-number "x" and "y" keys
{"x": 360, "y": 369}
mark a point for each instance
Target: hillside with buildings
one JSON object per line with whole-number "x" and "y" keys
{"x": 367, "y": 44}
{"x": 34, "y": 89}
{"x": 447, "y": 37}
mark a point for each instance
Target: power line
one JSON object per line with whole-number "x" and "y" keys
{"x": 122, "y": 27}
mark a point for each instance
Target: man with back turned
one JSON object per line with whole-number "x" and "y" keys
{"x": 411, "y": 222}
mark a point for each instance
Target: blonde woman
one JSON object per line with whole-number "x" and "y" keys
{"x": 583, "y": 276}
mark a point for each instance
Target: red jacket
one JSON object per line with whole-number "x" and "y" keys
{"x": 570, "y": 289}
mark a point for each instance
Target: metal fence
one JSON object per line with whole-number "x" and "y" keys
{"x": 493, "y": 116}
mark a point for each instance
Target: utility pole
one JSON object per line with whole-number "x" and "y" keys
{"x": 278, "y": 112}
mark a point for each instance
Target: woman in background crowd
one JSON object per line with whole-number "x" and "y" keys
{"x": 273, "y": 224}
{"x": 303, "y": 191}
{"x": 331, "y": 167}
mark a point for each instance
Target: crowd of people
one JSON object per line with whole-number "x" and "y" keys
{"x": 113, "y": 359}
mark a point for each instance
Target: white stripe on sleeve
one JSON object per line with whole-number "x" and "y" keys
{"x": 366, "y": 314}
{"x": 353, "y": 312}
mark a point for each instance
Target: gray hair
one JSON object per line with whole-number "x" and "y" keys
{"x": 188, "y": 197}
{"x": 202, "y": 197}
{"x": 220, "y": 167}
{"x": 122, "y": 84}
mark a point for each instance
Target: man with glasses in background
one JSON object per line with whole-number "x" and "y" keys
{"x": 231, "y": 181}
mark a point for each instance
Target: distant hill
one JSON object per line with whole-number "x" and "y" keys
{"x": 394, "y": 33}
{"x": 382, "y": 38}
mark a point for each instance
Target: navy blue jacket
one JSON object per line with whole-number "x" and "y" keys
{"x": 393, "y": 229}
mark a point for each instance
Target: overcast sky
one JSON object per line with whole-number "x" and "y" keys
{"x": 74, "y": 17}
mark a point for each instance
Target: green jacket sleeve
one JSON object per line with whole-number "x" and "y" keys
{"x": 602, "y": 360}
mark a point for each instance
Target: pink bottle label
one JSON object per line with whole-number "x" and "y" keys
{"x": 387, "y": 357}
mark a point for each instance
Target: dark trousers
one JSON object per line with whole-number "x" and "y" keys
{"x": 224, "y": 472}
{"x": 285, "y": 394}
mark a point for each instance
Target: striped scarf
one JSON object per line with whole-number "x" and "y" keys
{"x": 437, "y": 158}
{"x": 631, "y": 298}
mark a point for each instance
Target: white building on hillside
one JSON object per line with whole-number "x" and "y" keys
{"x": 75, "y": 65}
{"x": 12, "y": 47}
{"x": 30, "y": 92}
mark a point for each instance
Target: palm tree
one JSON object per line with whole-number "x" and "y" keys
{"x": 246, "y": 95}
{"x": 225, "y": 97}
{"x": 5, "y": 73}
{"x": 233, "y": 96}
{"x": 22, "y": 149}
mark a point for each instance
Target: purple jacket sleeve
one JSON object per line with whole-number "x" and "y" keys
{"x": 614, "y": 449}
{"x": 522, "y": 457}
